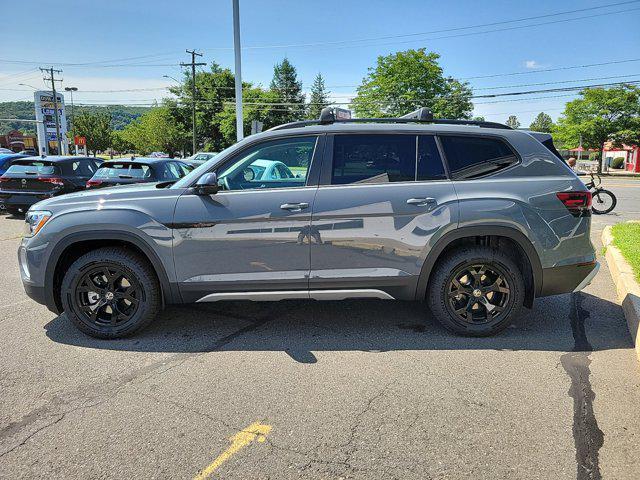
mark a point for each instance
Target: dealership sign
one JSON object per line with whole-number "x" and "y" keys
{"x": 46, "y": 114}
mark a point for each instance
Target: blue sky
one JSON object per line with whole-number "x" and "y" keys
{"x": 158, "y": 32}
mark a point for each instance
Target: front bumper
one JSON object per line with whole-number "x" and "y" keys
{"x": 567, "y": 278}
{"x": 31, "y": 266}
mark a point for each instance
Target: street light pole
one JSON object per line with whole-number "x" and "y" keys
{"x": 238, "y": 72}
{"x": 73, "y": 132}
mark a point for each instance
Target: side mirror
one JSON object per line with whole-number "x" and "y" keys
{"x": 207, "y": 184}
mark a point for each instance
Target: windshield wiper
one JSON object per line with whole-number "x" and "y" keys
{"x": 125, "y": 176}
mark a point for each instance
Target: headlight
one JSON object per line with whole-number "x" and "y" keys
{"x": 34, "y": 221}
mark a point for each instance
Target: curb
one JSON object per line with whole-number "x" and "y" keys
{"x": 627, "y": 287}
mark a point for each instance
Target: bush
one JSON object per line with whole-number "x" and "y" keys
{"x": 617, "y": 162}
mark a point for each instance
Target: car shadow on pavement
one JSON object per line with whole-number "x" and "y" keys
{"x": 300, "y": 328}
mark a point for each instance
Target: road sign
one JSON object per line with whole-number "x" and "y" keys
{"x": 256, "y": 126}
{"x": 80, "y": 141}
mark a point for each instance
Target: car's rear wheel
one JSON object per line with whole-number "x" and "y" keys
{"x": 110, "y": 293}
{"x": 476, "y": 291}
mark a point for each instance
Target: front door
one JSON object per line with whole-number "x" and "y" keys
{"x": 253, "y": 235}
{"x": 382, "y": 202}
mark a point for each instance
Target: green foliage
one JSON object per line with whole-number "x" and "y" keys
{"x": 601, "y": 115}
{"x": 318, "y": 99}
{"x": 264, "y": 113}
{"x": 288, "y": 89}
{"x": 479, "y": 119}
{"x": 121, "y": 115}
{"x": 156, "y": 130}
{"x": 96, "y": 127}
{"x": 404, "y": 81}
{"x": 512, "y": 122}
{"x": 594, "y": 156}
{"x": 617, "y": 162}
{"x": 119, "y": 143}
{"x": 542, "y": 123}
{"x": 626, "y": 236}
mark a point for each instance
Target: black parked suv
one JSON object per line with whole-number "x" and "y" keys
{"x": 474, "y": 218}
{"x": 32, "y": 179}
{"x": 138, "y": 170}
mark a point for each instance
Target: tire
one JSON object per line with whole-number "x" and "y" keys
{"x": 603, "y": 201}
{"x": 111, "y": 293}
{"x": 500, "y": 301}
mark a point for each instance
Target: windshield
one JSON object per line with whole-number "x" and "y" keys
{"x": 200, "y": 169}
{"x": 33, "y": 168}
{"x": 137, "y": 171}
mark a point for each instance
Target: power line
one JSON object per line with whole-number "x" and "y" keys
{"x": 451, "y": 29}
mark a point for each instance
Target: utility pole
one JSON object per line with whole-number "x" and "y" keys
{"x": 53, "y": 81}
{"x": 193, "y": 66}
{"x": 238, "y": 72}
{"x": 73, "y": 132}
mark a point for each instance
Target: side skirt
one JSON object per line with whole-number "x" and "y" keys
{"x": 272, "y": 296}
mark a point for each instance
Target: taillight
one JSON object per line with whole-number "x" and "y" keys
{"x": 4, "y": 179}
{"x": 578, "y": 203}
{"x": 93, "y": 183}
{"x": 53, "y": 180}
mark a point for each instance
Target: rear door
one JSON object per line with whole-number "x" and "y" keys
{"x": 382, "y": 202}
{"x": 78, "y": 171}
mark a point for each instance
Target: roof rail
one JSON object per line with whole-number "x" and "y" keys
{"x": 331, "y": 115}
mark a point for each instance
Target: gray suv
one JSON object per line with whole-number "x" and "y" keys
{"x": 474, "y": 218}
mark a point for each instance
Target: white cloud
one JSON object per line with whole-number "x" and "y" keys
{"x": 533, "y": 64}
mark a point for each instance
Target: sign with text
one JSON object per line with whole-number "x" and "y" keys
{"x": 46, "y": 112}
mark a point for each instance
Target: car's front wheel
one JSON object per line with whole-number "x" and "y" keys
{"x": 110, "y": 293}
{"x": 476, "y": 291}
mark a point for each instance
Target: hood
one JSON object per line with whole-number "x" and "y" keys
{"x": 98, "y": 199}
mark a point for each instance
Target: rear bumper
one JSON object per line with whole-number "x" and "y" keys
{"x": 567, "y": 278}
{"x": 22, "y": 200}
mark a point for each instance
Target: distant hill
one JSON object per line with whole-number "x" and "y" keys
{"x": 121, "y": 115}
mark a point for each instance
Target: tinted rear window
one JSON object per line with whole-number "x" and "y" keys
{"x": 470, "y": 156}
{"x": 373, "y": 158}
{"x": 33, "y": 168}
{"x": 137, "y": 171}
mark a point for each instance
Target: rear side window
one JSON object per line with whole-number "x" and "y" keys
{"x": 470, "y": 157}
{"x": 373, "y": 159}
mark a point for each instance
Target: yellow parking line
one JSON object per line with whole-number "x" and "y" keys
{"x": 255, "y": 431}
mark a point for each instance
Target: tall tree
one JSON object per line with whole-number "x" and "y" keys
{"x": 289, "y": 92}
{"x": 600, "y": 116}
{"x": 542, "y": 123}
{"x": 512, "y": 122}
{"x": 156, "y": 130}
{"x": 318, "y": 99}
{"x": 404, "y": 81}
{"x": 96, "y": 128}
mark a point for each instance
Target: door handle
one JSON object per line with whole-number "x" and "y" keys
{"x": 422, "y": 202}
{"x": 294, "y": 207}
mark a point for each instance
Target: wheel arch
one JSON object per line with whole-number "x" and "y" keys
{"x": 74, "y": 245}
{"x": 478, "y": 233}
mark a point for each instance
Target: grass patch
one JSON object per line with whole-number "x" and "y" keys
{"x": 626, "y": 236}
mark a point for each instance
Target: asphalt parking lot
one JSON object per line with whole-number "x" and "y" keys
{"x": 295, "y": 389}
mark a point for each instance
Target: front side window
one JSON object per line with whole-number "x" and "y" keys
{"x": 470, "y": 157}
{"x": 430, "y": 165}
{"x": 275, "y": 164}
{"x": 373, "y": 159}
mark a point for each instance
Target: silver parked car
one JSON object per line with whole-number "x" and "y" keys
{"x": 474, "y": 218}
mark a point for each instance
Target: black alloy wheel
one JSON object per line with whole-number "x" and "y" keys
{"x": 111, "y": 292}
{"x": 107, "y": 295}
{"x": 478, "y": 293}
